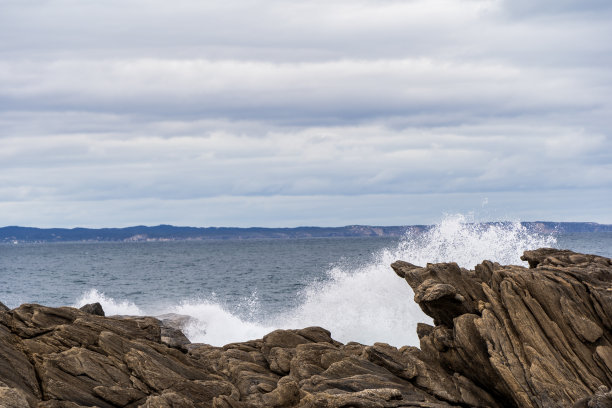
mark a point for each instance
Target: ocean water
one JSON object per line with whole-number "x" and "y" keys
{"x": 241, "y": 290}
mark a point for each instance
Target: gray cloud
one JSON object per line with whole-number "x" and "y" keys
{"x": 341, "y": 91}
{"x": 255, "y": 109}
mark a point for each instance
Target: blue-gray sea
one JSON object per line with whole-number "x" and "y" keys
{"x": 242, "y": 289}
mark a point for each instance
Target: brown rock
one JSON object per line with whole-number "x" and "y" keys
{"x": 12, "y": 397}
{"x": 538, "y": 337}
{"x": 93, "y": 308}
{"x": 16, "y": 371}
{"x": 504, "y": 336}
{"x": 168, "y": 400}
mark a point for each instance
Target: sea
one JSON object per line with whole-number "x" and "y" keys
{"x": 238, "y": 290}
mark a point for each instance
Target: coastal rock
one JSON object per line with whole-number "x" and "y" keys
{"x": 172, "y": 326}
{"x": 503, "y": 336}
{"x": 93, "y": 308}
{"x": 533, "y": 337}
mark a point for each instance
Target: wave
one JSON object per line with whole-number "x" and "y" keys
{"x": 368, "y": 303}
{"x": 111, "y": 306}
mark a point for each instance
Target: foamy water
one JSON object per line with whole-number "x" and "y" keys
{"x": 367, "y": 303}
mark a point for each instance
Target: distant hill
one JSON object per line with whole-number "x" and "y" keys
{"x": 173, "y": 233}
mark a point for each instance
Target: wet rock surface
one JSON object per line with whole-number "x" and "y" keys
{"x": 504, "y": 336}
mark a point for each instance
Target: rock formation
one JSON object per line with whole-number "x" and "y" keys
{"x": 94, "y": 309}
{"x": 504, "y": 336}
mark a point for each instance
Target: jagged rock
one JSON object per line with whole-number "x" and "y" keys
{"x": 3, "y": 308}
{"x": 93, "y": 308}
{"x": 16, "y": 370}
{"x": 172, "y": 326}
{"x": 504, "y": 336}
{"x": 534, "y": 337}
{"x": 174, "y": 338}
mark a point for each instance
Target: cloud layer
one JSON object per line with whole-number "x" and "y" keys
{"x": 293, "y": 113}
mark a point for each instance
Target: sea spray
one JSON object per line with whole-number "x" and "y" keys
{"x": 212, "y": 323}
{"x": 110, "y": 305}
{"x": 370, "y": 303}
{"x": 365, "y": 303}
{"x": 455, "y": 239}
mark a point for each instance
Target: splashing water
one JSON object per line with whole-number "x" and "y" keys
{"x": 372, "y": 304}
{"x": 213, "y": 324}
{"x": 368, "y": 303}
{"x": 468, "y": 244}
{"x": 110, "y": 305}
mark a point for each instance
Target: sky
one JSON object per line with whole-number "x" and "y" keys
{"x": 286, "y": 113}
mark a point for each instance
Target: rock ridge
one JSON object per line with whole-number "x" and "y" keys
{"x": 503, "y": 336}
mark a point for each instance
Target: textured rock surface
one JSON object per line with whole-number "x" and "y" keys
{"x": 504, "y": 336}
{"x": 93, "y": 308}
{"x": 537, "y": 337}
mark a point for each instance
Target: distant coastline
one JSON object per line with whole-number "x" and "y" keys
{"x": 15, "y": 234}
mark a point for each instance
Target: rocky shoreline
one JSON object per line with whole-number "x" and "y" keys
{"x": 503, "y": 336}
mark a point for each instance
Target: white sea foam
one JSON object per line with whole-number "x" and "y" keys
{"x": 110, "y": 305}
{"x": 372, "y": 304}
{"x": 368, "y": 303}
{"x": 213, "y": 324}
{"x": 457, "y": 239}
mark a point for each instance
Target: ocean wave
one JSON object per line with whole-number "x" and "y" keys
{"x": 368, "y": 303}
{"x": 110, "y": 305}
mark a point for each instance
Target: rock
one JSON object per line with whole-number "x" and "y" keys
{"x": 12, "y": 397}
{"x": 174, "y": 338}
{"x": 503, "y": 336}
{"x": 535, "y": 337}
{"x": 172, "y": 326}
{"x": 93, "y": 308}
{"x": 16, "y": 370}
{"x": 601, "y": 399}
{"x": 3, "y": 308}
{"x": 167, "y": 400}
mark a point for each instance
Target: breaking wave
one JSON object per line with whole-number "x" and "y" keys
{"x": 368, "y": 303}
{"x": 111, "y": 306}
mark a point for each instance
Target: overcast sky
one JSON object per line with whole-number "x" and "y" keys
{"x": 287, "y": 113}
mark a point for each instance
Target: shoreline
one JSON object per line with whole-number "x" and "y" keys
{"x": 533, "y": 337}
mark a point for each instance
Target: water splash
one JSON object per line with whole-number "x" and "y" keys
{"x": 371, "y": 303}
{"x": 456, "y": 239}
{"x": 214, "y": 324}
{"x": 367, "y": 303}
{"x": 110, "y": 305}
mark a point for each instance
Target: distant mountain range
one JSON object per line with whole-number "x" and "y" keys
{"x": 173, "y": 233}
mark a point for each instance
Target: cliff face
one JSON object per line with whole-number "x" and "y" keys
{"x": 504, "y": 336}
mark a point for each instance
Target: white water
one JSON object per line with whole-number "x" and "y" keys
{"x": 111, "y": 306}
{"x": 366, "y": 304}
